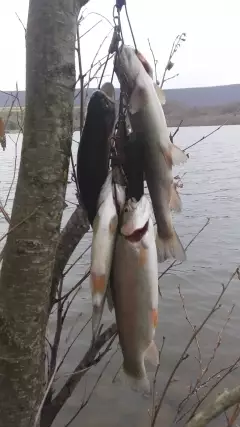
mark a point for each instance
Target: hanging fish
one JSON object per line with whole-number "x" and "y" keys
{"x": 104, "y": 235}
{"x": 135, "y": 291}
{"x": 94, "y": 147}
{"x": 148, "y": 120}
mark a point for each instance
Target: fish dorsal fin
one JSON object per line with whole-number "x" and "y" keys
{"x": 152, "y": 354}
{"x": 175, "y": 201}
{"x": 178, "y": 156}
{"x": 160, "y": 93}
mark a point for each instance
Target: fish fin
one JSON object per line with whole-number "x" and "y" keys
{"x": 97, "y": 313}
{"x": 160, "y": 94}
{"x": 170, "y": 248}
{"x": 152, "y": 354}
{"x": 109, "y": 299}
{"x": 178, "y": 156}
{"x": 106, "y": 189}
{"x": 140, "y": 385}
{"x": 136, "y": 99}
{"x": 98, "y": 286}
{"x": 154, "y": 315}
{"x": 121, "y": 196}
{"x": 175, "y": 201}
{"x": 96, "y": 319}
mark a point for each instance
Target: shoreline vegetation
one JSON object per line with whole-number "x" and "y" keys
{"x": 209, "y": 116}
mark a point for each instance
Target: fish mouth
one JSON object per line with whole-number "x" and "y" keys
{"x": 138, "y": 234}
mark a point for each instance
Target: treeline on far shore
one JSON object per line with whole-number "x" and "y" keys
{"x": 175, "y": 113}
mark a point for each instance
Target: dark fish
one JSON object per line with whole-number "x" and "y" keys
{"x": 133, "y": 166}
{"x": 94, "y": 147}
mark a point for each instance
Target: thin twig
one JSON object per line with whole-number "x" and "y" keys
{"x": 155, "y": 381}
{"x": 186, "y": 248}
{"x": 86, "y": 401}
{"x": 208, "y": 134}
{"x": 224, "y": 401}
{"x": 21, "y": 22}
{"x": 184, "y": 353}
{"x": 193, "y": 328}
{"x": 155, "y": 62}
{"x": 90, "y": 29}
{"x": 75, "y": 262}
{"x": 4, "y": 212}
{"x": 81, "y": 76}
{"x": 20, "y": 223}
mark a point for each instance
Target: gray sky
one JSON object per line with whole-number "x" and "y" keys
{"x": 210, "y": 56}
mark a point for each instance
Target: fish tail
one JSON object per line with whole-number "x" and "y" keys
{"x": 96, "y": 319}
{"x": 170, "y": 248}
{"x": 109, "y": 298}
{"x": 139, "y": 383}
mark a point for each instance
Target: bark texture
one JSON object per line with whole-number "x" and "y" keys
{"x": 29, "y": 255}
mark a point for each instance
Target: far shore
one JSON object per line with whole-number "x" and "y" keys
{"x": 189, "y": 118}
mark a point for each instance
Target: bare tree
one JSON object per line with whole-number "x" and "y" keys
{"x": 26, "y": 274}
{"x": 36, "y": 254}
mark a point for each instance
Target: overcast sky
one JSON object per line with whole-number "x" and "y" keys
{"x": 210, "y": 56}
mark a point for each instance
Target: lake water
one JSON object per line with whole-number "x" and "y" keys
{"x": 211, "y": 190}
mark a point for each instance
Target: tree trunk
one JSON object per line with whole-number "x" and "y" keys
{"x": 29, "y": 254}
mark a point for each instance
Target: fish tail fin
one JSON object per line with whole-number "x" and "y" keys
{"x": 96, "y": 319}
{"x": 152, "y": 354}
{"x": 170, "y": 248}
{"x": 140, "y": 384}
{"x": 97, "y": 312}
{"x": 175, "y": 201}
{"x": 109, "y": 299}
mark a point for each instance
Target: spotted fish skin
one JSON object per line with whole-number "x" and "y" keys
{"x": 135, "y": 292}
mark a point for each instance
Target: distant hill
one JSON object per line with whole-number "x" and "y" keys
{"x": 213, "y": 105}
{"x": 188, "y": 97}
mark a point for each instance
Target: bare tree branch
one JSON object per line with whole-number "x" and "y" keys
{"x": 71, "y": 235}
{"x": 50, "y": 411}
{"x": 184, "y": 354}
{"x": 224, "y": 401}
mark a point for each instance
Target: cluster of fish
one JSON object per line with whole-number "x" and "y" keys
{"x": 126, "y": 248}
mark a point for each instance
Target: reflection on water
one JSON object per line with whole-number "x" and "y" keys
{"x": 211, "y": 189}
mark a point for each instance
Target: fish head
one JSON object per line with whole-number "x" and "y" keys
{"x": 135, "y": 219}
{"x": 127, "y": 66}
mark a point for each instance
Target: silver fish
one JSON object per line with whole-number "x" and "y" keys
{"x": 104, "y": 235}
{"x": 160, "y": 154}
{"x": 135, "y": 291}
